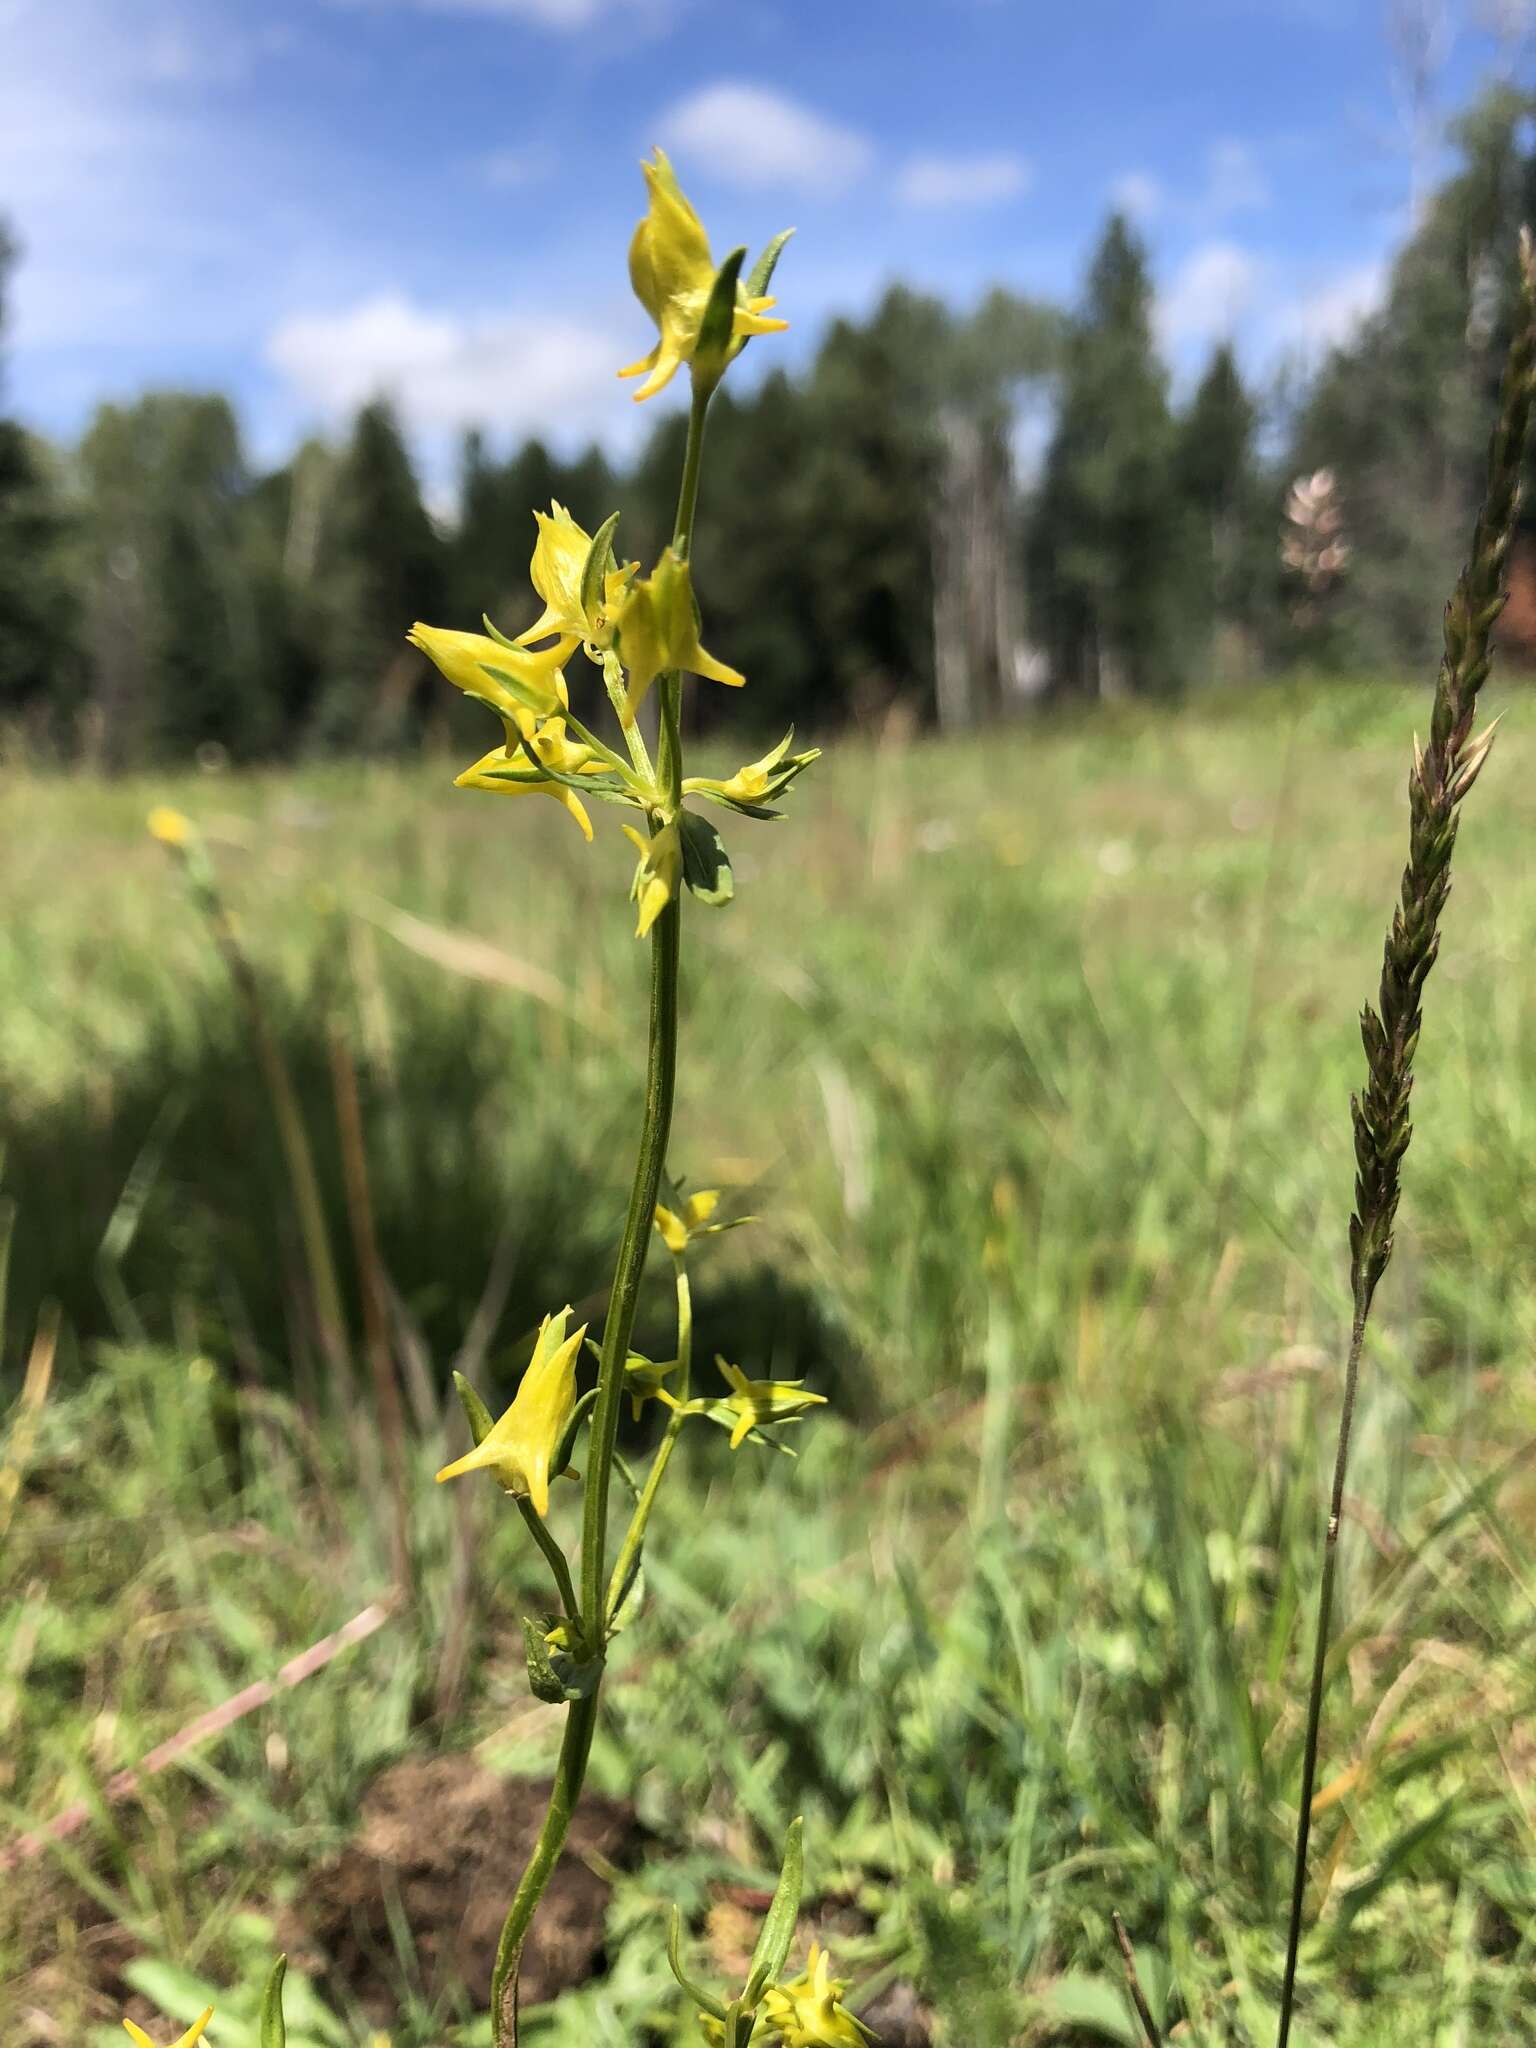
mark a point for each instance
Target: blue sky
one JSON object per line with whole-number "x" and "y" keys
{"x": 302, "y": 201}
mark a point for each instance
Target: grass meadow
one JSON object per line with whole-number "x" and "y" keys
{"x": 1033, "y": 1059}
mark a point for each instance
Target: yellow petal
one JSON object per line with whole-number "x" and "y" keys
{"x": 666, "y": 361}
{"x": 654, "y": 898}
{"x": 571, "y": 802}
{"x": 674, "y": 1231}
{"x": 189, "y": 2039}
{"x": 699, "y": 663}
{"x": 480, "y": 1459}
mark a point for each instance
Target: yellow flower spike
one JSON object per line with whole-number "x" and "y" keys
{"x": 559, "y": 562}
{"x": 673, "y": 273}
{"x": 520, "y": 1447}
{"x": 464, "y": 658}
{"x": 658, "y": 629}
{"x": 752, "y": 1402}
{"x": 193, "y": 2034}
{"x": 659, "y": 872}
{"x": 171, "y": 828}
{"x": 808, "y": 2012}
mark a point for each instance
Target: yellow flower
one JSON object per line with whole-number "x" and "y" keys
{"x": 658, "y": 629}
{"x": 677, "y": 1229}
{"x": 193, "y": 2034}
{"x": 643, "y": 1380}
{"x": 464, "y": 658}
{"x": 808, "y": 2012}
{"x": 559, "y": 562}
{"x": 673, "y": 273}
{"x": 521, "y": 1446}
{"x": 171, "y": 828}
{"x": 757, "y": 784}
{"x": 750, "y": 1403}
{"x": 657, "y": 877}
{"x": 509, "y": 770}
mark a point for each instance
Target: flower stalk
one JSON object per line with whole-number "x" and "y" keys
{"x": 1442, "y": 776}
{"x": 640, "y": 632}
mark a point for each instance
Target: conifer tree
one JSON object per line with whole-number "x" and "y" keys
{"x": 1105, "y": 542}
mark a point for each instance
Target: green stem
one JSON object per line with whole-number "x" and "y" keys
{"x": 599, "y": 747}
{"x": 661, "y": 1069}
{"x": 1320, "y": 1667}
{"x": 655, "y": 1130}
{"x": 688, "y": 491}
{"x": 554, "y": 1555}
{"x": 570, "y": 1771}
{"x": 629, "y": 1550}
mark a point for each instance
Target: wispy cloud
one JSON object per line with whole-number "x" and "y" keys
{"x": 978, "y": 180}
{"x": 1138, "y": 194}
{"x": 563, "y": 16}
{"x": 511, "y": 170}
{"x": 1208, "y": 295}
{"x": 1329, "y": 311}
{"x": 752, "y": 136}
{"x": 1234, "y": 182}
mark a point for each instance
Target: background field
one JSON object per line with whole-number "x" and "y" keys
{"x": 1033, "y": 1059}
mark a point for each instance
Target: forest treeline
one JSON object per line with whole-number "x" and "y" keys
{"x": 873, "y": 535}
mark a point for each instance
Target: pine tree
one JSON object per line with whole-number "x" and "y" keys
{"x": 37, "y": 608}
{"x": 1220, "y": 495}
{"x": 1398, "y": 412}
{"x": 1105, "y": 541}
{"x": 172, "y": 622}
{"x": 382, "y": 565}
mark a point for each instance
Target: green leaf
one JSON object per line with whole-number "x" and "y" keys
{"x": 274, "y": 2033}
{"x": 778, "y": 1929}
{"x": 476, "y": 1413}
{"x": 711, "y": 350}
{"x": 607, "y": 785}
{"x": 498, "y": 636}
{"x": 562, "y": 1457}
{"x": 706, "y": 864}
{"x": 766, "y": 265}
{"x": 1390, "y": 1864}
{"x": 599, "y": 560}
{"x": 1093, "y": 2005}
{"x": 535, "y": 700}
{"x": 701, "y": 1998}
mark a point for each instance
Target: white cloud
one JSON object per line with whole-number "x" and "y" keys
{"x": 1234, "y": 182}
{"x": 511, "y": 170}
{"x": 980, "y": 180}
{"x": 565, "y": 15}
{"x": 1329, "y": 312}
{"x": 1138, "y": 194}
{"x": 506, "y": 371}
{"x": 750, "y": 135}
{"x": 1208, "y": 294}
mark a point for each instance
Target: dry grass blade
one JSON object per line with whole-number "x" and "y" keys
{"x": 1149, "y": 2025}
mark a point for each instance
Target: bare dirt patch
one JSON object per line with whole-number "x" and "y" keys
{"x": 440, "y": 1847}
